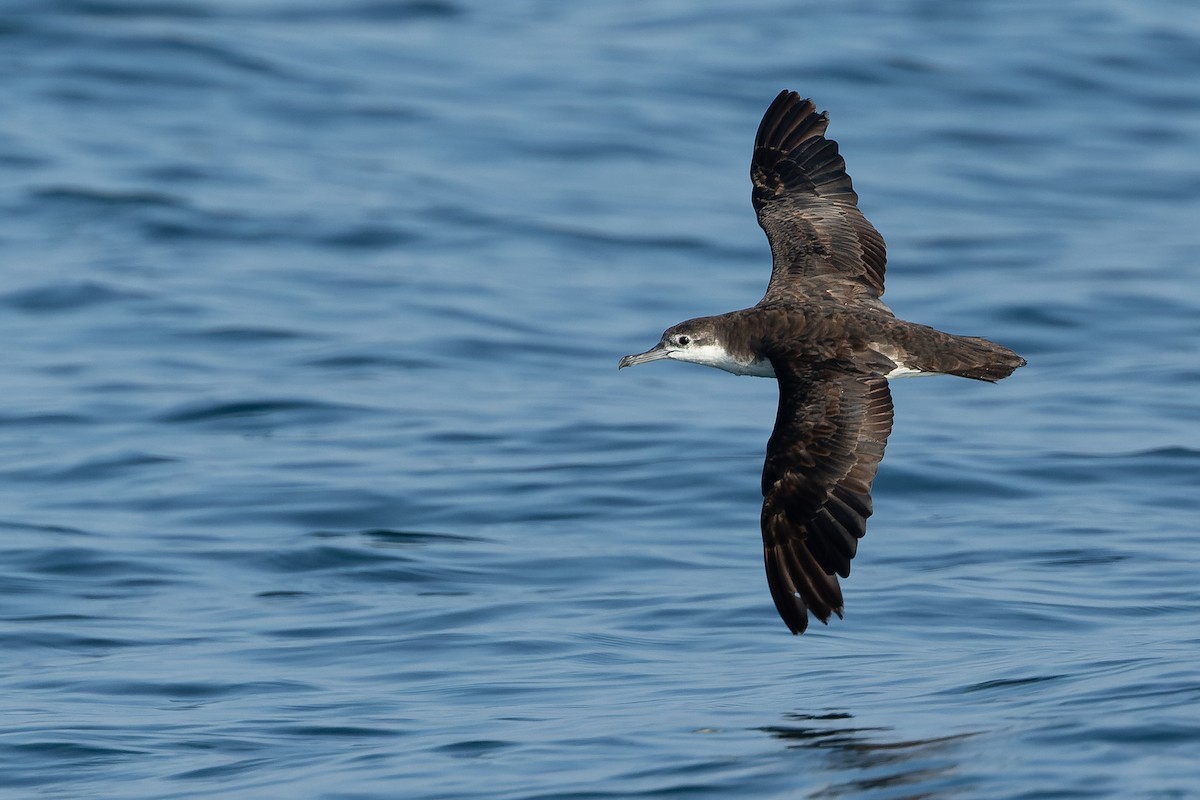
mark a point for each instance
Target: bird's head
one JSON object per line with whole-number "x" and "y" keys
{"x": 695, "y": 340}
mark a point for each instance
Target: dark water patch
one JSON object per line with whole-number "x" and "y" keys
{"x": 93, "y": 469}
{"x": 38, "y": 528}
{"x": 236, "y": 334}
{"x": 1013, "y": 141}
{"x": 384, "y": 111}
{"x": 933, "y": 481}
{"x": 222, "y": 771}
{"x": 323, "y": 557}
{"x": 84, "y": 562}
{"x": 19, "y": 161}
{"x": 394, "y": 538}
{"x": 178, "y": 173}
{"x": 1046, "y": 314}
{"x": 1003, "y": 685}
{"x": 346, "y": 508}
{"x": 465, "y": 438}
{"x": 69, "y": 296}
{"x": 370, "y": 361}
{"x": 1180, "y": 453}
{"x": 205, "y": 226}
{"x": 53, "y": 618}
{"x": 964, "y": 244}
{"x": 390, "y": 558}
{"x": 125, "y": 9}
{"x": 367, "y": 11}
{"x": 1168, "y": 47}
{"x": 260, "y": 413}
{"x": 72, "y": 752}
{"x": 96, "y": 199}
{"x": 595, "y": 150}
{"x": 198, "y": 690}
{"x": 368, "y": 237}
{"x": 73, "y": 643}
{"x": 210, "y": 226}
{"x": 13, "y": 27}
{"x": 473, "y": 748}
{"x": 1094, "y": 556}
{"x": 338, "y": 732}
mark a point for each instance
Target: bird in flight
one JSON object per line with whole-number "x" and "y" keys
{"x": 823, "y": 333}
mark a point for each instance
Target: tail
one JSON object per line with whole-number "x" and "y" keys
{"x": 973, "y": 357}
{"x": 920, "y": 349}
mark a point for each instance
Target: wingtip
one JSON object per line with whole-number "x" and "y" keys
{"x": 791, "y": 96}
{"x": 789, "y": 114}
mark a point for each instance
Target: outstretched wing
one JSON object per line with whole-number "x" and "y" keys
{"x": 807, "y": 206}
{"x": 830, "y": 433}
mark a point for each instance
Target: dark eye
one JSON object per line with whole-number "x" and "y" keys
{"x": 683, "y": 340}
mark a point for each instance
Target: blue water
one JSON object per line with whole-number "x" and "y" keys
{"x": 319, "y": 479}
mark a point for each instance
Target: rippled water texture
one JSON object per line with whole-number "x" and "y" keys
{"x": 319, "y": 479}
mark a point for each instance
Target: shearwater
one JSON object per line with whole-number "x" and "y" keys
{"x": 823, "y": 333}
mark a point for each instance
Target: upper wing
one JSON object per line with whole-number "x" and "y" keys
{"x": 808, "y": 208}
{"x": 829, "y": 436}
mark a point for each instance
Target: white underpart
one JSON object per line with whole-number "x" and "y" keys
{"x": 901, "y": 370}
{"x": 904, "y": 372}
{"x": 713, "y": 355}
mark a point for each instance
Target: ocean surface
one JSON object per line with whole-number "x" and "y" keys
{"x": 318, "y": 478}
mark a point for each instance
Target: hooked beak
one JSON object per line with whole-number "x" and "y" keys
{"x": 653, "y": 354}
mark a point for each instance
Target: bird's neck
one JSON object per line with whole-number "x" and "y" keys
{"x": 731, "y": 354}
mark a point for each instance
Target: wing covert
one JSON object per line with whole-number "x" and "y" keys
{"x": 807, "y": 206}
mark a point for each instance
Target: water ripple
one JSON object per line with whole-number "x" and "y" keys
{"x": 68, "y": 297}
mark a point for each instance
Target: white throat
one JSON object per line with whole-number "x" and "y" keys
{"x": 713, "y": 355}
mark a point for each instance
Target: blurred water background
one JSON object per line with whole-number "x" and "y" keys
{"x": 319, "y": 479}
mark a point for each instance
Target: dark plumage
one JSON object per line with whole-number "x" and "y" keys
{"x": 822, "y": 331}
